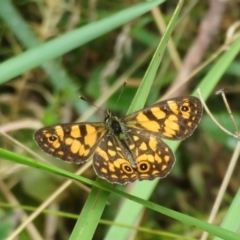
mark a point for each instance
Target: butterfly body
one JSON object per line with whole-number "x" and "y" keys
{"x": 128, "y": 149}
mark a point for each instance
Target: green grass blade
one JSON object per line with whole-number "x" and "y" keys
{"x": 146, "y": 84}
{"x": 232, "y": 219}
{"x": 17, "y": 24}
{"x": 218, "y": 69}
{"x": 90, "y": 216}
{"x": 144, "y": 189}
{"x": 61, "y": 45}
{"x": 4, "y": 154}
{"x": 53, "y": 69}
{"x": 215, "y": 230}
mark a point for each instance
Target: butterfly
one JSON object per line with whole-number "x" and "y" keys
{"x": 128, "y": 149}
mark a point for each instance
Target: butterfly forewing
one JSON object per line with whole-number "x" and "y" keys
{"x": 71, "y": 142}
{"x": 174, "y": 119}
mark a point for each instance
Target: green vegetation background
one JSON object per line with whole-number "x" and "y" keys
{"x": 52, "y": 52}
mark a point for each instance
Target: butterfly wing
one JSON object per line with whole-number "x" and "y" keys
{"x": 71, "y": 142}
{"x": 174, "y": 119}
{"x": 113, "y": 159}
{"x": 153, "y": 157}
{"x": 110, "y": 162}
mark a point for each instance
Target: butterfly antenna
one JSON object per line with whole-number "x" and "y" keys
{"x": 123, "y": 87}
{"x": 86, "y": 100}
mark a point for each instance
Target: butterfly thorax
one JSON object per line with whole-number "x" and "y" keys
{"x": 114, "y": 125}
{"x": 118, "y": 131}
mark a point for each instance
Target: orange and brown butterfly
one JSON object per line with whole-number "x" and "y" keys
{"x": 127, "y": 149}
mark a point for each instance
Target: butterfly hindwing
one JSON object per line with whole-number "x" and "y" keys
{"x": 150, "y": 155}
